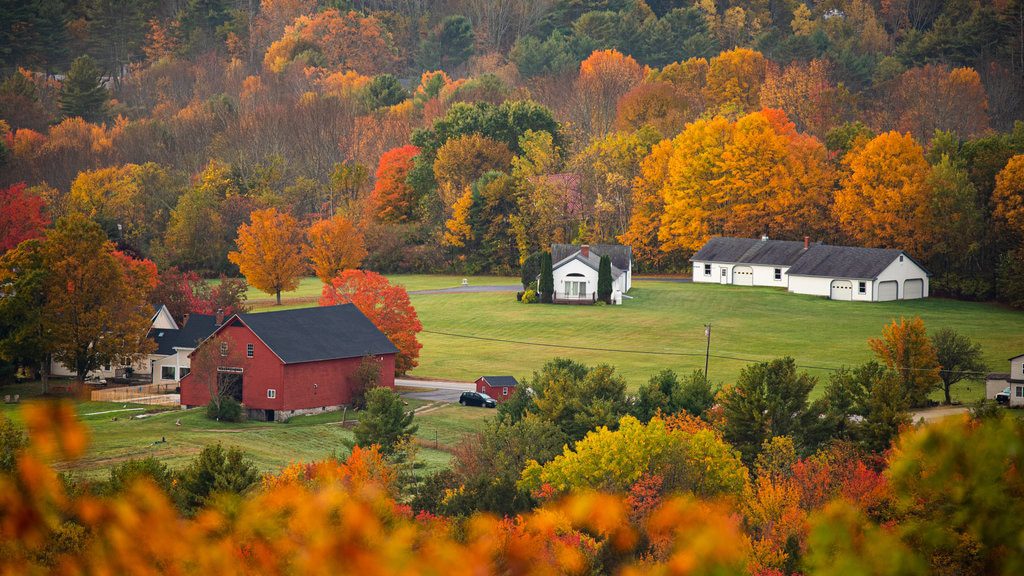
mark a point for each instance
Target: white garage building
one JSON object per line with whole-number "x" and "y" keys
{"x": 836, "y": 272}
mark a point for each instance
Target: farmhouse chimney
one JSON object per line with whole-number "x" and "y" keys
{"x": 184, "y": 319}
{"x": 585, "y": 250}
{"x": 220, "y": 317}
{"x": 807, "y": 242}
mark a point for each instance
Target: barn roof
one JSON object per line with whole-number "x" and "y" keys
{"x": 816, "y": 260}
{"x": 195, "y": 330}
{"x": 321, "y": 333}
{"x": 500, "y": 381}
{"x": 620, "y": 255}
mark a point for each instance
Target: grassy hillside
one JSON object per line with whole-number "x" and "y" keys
{"x": 748, "y": 323}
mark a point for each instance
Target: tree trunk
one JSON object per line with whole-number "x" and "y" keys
{"x": 278, "y": 297}
{"x": 945, "y": 388}
{"x": 44, "y": 373}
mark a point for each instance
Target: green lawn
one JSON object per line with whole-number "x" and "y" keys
{"x": 309, "y": 288}
{"x": 748, "y": 323}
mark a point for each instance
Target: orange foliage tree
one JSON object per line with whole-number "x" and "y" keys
{"x": 885, "y": 200}
{"x": 385, "y": 304}
{"x": 933, "y": 97}
{"x": 734, "y": 80}
{"x": 392, "y": 199}
{"x": 807, "y": 95}
{"x": 335, "y": 40}
{"x": 269, "y": 252}
{"x": 906, "y": 349}
{"x": 22, "y": 218}
{"x": 1008, "y": 201}
{"x": 605, "y": 76}
{"x": 648, "y": 207}
{"x": 737, "y": 178}
{"x": 334, "y": 246}
{"x": 460, "y": 161}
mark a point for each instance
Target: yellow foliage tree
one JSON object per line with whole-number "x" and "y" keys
{"x": 460, "y": 161}
{"x": 333, "y": 246}
{"x": 269, "y": 252}
{"x": 885, "y": 200}
{"x": 734, "y": 80}
{"x": 458, "y": 229}
{"x": 905, "y": 348}
{"x": 1008, "y": 200}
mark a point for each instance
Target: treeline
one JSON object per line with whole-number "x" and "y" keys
{"x": 467, "y": 135}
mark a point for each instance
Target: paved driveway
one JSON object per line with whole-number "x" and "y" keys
{"x": 434, "y": 390}
{"x": 470, "y": 289}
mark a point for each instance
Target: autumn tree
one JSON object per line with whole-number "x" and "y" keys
{"x": 906, "y": 349}
{"x": 333, "y": 246}
{"x": 648, "y": 208}
{"x": 578, "y": 398}
{"x": 196, "y": 236}
{"x": 734, "y": 81}
{"x": 334, "y": 39}
{"x": 392, "y": 199}
{"x": 885, "y": 200}
{"x": 1008, "y": 202}
{"x": 604, "y": 77}
{"x": 806, "y": 93}
{"x": 959, "y": 358}
{"x": 933, "y": 97}
{"x": 462, "y": 160}
{"x": 83, "y": 93}
{"x": 22, "y": 218}
{"x": 386, "y": 305}
{"x": 269, "y": 252}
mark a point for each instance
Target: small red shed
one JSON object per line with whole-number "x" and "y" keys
{"x": 498, "y": 387}
{"x": 280, "y": 364}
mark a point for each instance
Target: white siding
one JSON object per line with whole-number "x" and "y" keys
{"x": 762, "y": 275}
{"x": 812, "y": 285}
{"x": 177, "y": 360}
{"x": 903, "y": 271}
{"x": 1017, "y": 368}
{"x": 561, "y": 274}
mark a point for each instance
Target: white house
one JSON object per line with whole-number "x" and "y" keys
{"x": 1014, "y": 379}
{"x": 169, "y": 362}
{"x": 836, "y": 272}
{"x": 575, "y": 270}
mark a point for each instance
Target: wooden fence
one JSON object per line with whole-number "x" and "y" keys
{"x": 155, "y": 394}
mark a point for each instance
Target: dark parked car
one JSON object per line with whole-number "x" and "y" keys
{"x": 477, "y": 399}
{"x": 1003, "y": 397}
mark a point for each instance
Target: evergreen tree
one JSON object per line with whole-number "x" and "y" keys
{"x": 546, "y": 285}
{"x": 384, "y": 422}
{"x": 384, "y": 90}
{"x": 214, "y": 471}
{"x": 83, "y": 93}
{"x": 604, "y": 279}
{"x": 455, "y": 41}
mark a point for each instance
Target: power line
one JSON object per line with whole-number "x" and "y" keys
{"x": 644, "y": 352}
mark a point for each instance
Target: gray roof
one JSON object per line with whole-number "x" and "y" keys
{"x": 592, "y": 260}
{"x": 497, "y": 381}
{"x": 620, "y": 255}
{"x": 196, "y": 329}
{"x": 817, "y": 260}
{"x": 320, "y": 333}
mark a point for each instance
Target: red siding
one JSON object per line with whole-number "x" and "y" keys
{"x": 293, "y": 383}
{"x": 496, "y": 392}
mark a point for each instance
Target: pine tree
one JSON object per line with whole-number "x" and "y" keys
{"x": 604, "y": 279}
{"x": 384, "y": 422}
{"x": 83, "y": 93}
{"x": 547, "y": 279}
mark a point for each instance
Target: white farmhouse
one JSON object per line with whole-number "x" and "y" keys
{"x": 575, "y": 270}
{"x": 1014, "y": 380}
{"x": 836, "y": 272}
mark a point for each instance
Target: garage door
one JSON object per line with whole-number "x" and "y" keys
{"x": 842, "y": 290}
{"x": 743, "y": 276}
{"x": 887, "y": 290}
{"x": 913, "y": 289}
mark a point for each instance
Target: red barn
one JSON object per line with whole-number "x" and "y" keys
{"x": 498, "y": 387}
{"x": 280, "y": 364}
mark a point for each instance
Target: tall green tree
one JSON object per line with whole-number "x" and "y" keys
{"x": 385, "y": 422}
{"x": 667, "y": 393}
{"x": 770, "y": 399}
{"x": 214, "y": 471}
{"x": 383, "y": 91}
{"x": 604, "y": 279}
{"x": 578, "y": 398}
{"x": 959, "y": 358}
{"x": 546, "y": 286}
{"x": 83, "y": 93}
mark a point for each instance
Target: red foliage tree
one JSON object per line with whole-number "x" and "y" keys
{"x": 392, "y": 197}
{"x": 22, "y": 217}
{"x": 385, "y": 304}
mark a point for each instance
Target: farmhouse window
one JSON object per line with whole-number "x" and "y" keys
{"x": 249, "y": 350}
{"x": 778, "y": 273}
{"x": 167, "y": 372}
{"x": 504, "y": 391}
{"x": 223, "y": 348}
{"x": 901, "y": 258}
{"x": 271, "y": 393}
{"x": 862, "y": 287}
{"x": 183, "y": 371}
{"x": 707, "y": 269}
{"x": 575, "y": 288}
{"x": 1019, "y": 391}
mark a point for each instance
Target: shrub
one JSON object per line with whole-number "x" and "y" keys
{"x": 385, "y": 422}
{"x": 122, "y": 475}
{"x": 530, "y": 297}
{"x": 12, "y": 440}
{"x": 229, "y": 410}
{"x": 214, "y": 471}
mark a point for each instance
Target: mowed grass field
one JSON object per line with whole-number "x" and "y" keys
{"x": 668, "y": 318}
{"x": 176, "y": 436}
{"x": 308, "y": 292}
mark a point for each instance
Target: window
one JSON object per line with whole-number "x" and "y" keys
{"x": 223, "y": 348}
{"x": 1018, "y": 391}
{"x": 183, "y": 371}
{"x": 707, "y": 269}
{"x": 271, "y": 393}
{"x": 901, "y": 257}
{"x": 573, "y": 288}
{"x": 249, "y": 350}
{"x": 504, "y": 391}
{"x": 778, "y": 273}
{"x": 862, "y": 287}
{"x": 167, "y": 372}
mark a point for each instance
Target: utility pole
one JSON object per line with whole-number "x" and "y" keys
{"x": 707, "y": 351}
